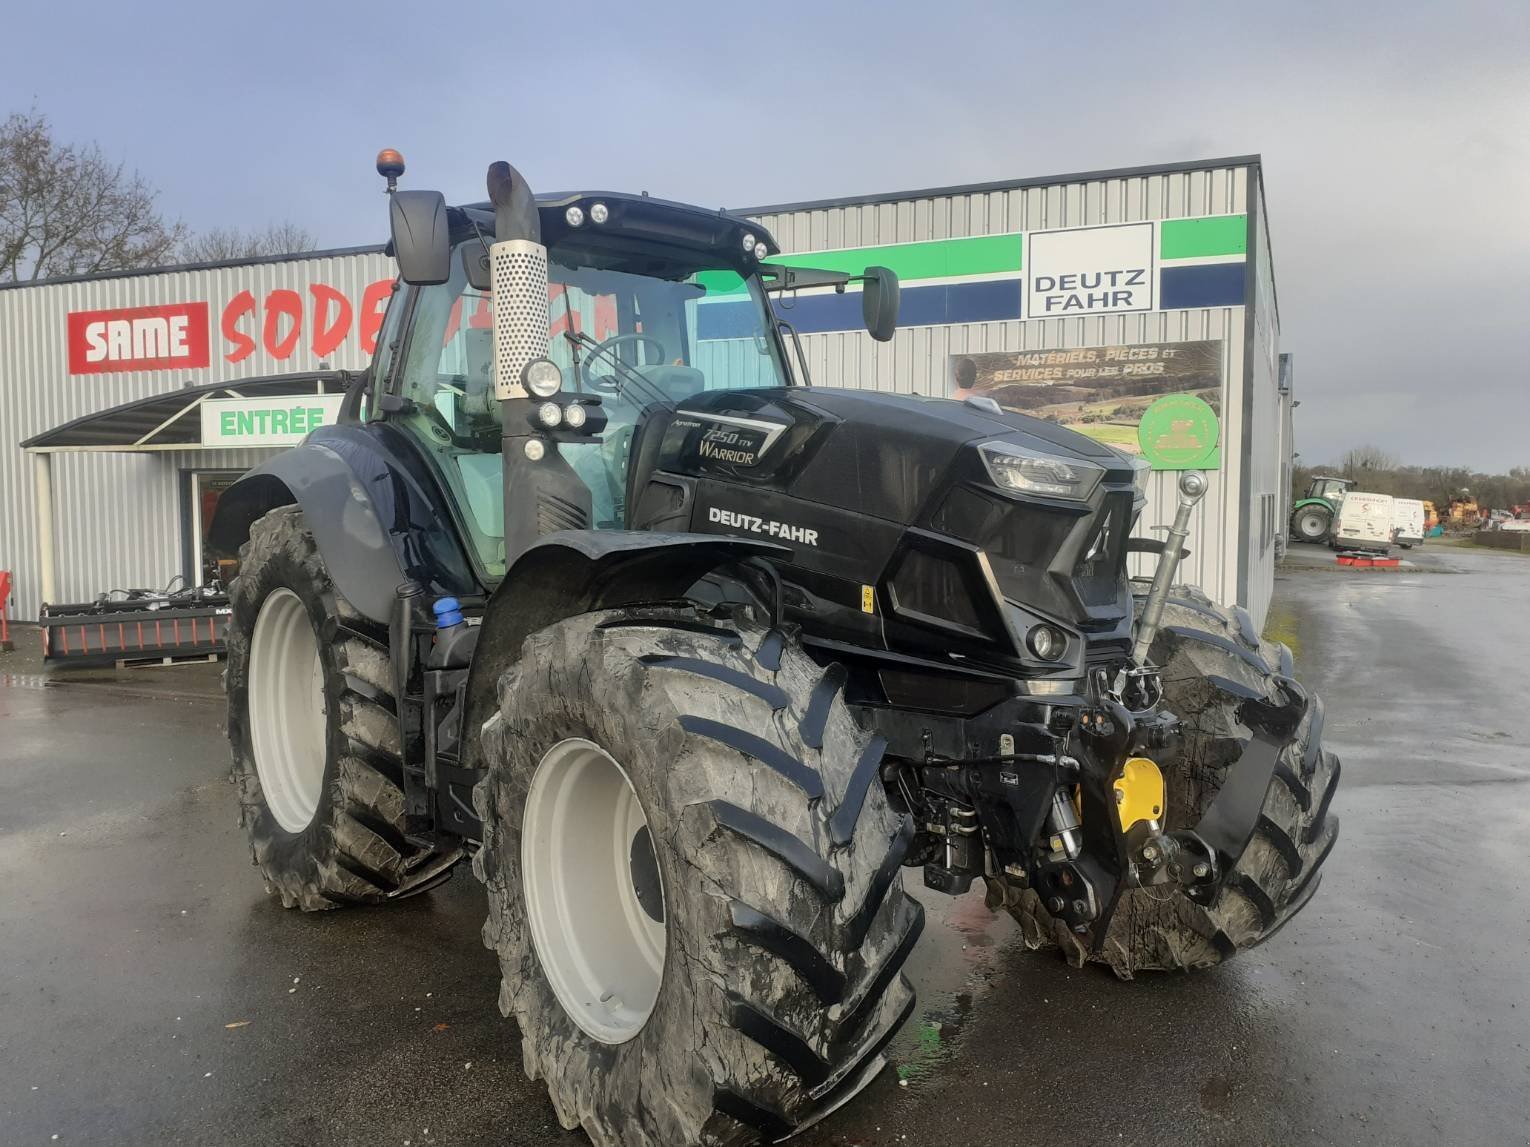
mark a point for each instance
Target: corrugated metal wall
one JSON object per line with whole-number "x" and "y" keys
{"x": 118, "y": 516}
{"x": 915, "y": 361}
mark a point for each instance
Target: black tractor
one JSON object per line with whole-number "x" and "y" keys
{"x": 693, "y": 660}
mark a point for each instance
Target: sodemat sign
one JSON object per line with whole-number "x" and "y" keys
{"x": 291, "y": 328}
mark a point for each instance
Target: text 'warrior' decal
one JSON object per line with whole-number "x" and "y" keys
{"x": 729, "y": 439}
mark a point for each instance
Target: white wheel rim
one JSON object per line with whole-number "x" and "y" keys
{"x": 288, "y": 729}
{"x": 586, "y": 878}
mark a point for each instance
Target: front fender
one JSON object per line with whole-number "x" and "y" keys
{"x": 580, "y": 571}
{"x": 375, "y": 523}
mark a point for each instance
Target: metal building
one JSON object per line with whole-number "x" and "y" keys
{"x": 1062, "y": 279}
{"x": 128, "y": 513}
{"x": 970, "y": 262}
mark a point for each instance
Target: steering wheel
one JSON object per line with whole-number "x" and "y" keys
{"x": 611, "y": 383}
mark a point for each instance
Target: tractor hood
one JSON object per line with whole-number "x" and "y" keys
{"x": 898, "y": 500}
{"x": 868, "y": 453}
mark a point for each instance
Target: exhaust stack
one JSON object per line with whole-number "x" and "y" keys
{"x": 518, "y": 269}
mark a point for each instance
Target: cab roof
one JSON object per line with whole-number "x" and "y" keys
{"x": 640, "y": 216}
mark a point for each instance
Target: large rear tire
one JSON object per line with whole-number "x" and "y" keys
{"x": 784, "y": 920}
{"x": 314, "y": 738}
{"x": 1313, "y": 524}
{"x": 1157, "y": 929}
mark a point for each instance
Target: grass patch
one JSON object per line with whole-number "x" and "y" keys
{"x": 1280, "y": 625}
{"x": 1466, "y": 542}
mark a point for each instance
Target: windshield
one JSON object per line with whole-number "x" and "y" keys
{"x": 639, "y": 325}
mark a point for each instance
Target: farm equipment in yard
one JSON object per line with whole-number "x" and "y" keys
{"x": 693, "y": 660}
{"x": 139, "y": 627}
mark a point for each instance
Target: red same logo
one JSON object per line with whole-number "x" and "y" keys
{"x": 138, "y": 338}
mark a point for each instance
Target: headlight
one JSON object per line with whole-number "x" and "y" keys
{"x": 549, "y": 414}
{"x": 1140, "y": 472}
{"x": 1012, "y": 468}
{"x": 542, "y": 377}
{"x": 1047, "y": 642}
{"x": 575, "y": 416}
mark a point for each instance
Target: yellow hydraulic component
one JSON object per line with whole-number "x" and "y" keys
{"x": 1139, "y": 792}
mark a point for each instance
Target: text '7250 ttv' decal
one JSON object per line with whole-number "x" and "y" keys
{"x": 750, "y": 524}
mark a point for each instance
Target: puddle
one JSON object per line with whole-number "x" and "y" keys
{"x": 952, "y": 967}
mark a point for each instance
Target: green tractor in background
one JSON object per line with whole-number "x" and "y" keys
{"x": 1312, "y": 517}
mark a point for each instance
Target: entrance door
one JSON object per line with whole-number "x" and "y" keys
{"x": 204, "y": 489}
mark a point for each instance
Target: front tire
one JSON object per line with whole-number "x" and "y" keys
{"x": 784, "y": 920}
{"x": 315, "y": 743}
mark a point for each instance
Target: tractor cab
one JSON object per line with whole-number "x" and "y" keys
{"x": 1329, "y": 489}
{"x": 648, "y": 303}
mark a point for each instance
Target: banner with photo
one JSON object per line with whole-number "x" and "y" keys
{"x": 1105, "y": 392}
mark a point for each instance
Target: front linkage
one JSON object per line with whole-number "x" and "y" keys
{"x": 1073, "y": 804}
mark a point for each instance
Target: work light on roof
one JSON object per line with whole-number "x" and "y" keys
{"x": 599, "y": 213}
{"x": 575, "y": 416}
{"x": 749, "y": 242}
{"x": 574, "y": 216}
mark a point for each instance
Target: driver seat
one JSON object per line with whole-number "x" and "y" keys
{"x": 478, "y": 399}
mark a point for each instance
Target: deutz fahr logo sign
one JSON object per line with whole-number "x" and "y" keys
{"x": 1090, "y": 271}
{"x": 138, "y": 338}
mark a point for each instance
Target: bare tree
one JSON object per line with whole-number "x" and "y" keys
{"x": 67, "y": 209}
{"x": 223, "y": 243}
{"x": 1367, "y": 460}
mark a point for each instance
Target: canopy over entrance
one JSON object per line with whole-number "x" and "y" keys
{"x": 179, "y": 419}
{"x": 277, "y": 410}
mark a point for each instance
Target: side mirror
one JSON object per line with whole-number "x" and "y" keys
{"x": 421, "y": 242}
{"x": 879, "y": 302}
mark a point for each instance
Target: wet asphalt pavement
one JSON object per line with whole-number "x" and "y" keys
{"x": 151, "y": 993}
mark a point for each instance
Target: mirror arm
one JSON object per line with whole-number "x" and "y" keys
{"x": 802, "y": 366}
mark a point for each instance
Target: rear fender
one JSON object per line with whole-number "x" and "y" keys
{"x": 579, "y": 571}
{"x": 376, "y": 518}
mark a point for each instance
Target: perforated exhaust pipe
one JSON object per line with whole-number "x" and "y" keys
{"x": 518, "y": 270}
{"x": 542, "y": 493}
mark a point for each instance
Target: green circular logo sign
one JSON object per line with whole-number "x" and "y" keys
{"x": 1179, "y": 432}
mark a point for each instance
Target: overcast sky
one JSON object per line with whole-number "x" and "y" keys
{"x": 1396, "y": 139}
